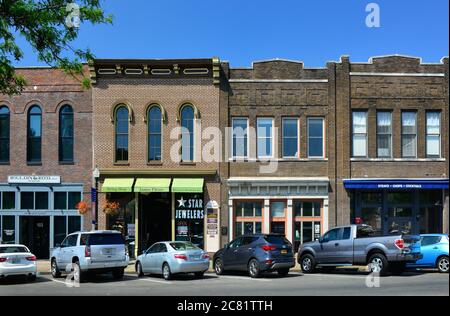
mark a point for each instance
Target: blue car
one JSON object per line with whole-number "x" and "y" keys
{"x": 435, "y": 253}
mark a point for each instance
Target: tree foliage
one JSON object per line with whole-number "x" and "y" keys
{"x": 43, "y": 24}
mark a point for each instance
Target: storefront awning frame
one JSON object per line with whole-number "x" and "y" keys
{"x": 191, "y": 185}
{"x": 397, "y": 184}
{"x": 117, "y": 185}
{"x": 152, "y": 185}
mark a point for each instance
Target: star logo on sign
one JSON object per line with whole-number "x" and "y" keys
{"x": 182, "y": 202}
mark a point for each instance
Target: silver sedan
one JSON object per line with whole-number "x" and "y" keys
{"x": 17, "y": 260}
{"x": 173, "y": 257}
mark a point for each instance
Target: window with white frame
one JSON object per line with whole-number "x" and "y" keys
{"x": 433, "y": 134}
{"x": 265, "y": 137}
{"x": 316, "y": 137}
{"x": 359, "y": 131}
{"x": 384, "y": 134}
{"x": 240, "y": 137}
{"x": 409, "y": 134}
{"x": 290, "y": 138}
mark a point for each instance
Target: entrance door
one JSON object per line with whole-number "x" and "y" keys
{"x": 35, "y": 234}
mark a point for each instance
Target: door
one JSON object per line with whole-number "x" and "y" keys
{"x": 159, "y": 258}
{"x": 41, "y": 240}
{"x": 230, "y": 254}
{"x": 68, "y": 250}
{"x": 244, "y": 252}
{"x": 328, "y": 249}
{"x": 430, "y": 250}
{"x": 149, "y": 259}
{"x": 344, "y": 247}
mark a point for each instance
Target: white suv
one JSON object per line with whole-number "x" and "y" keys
{"x": 91, "y": 252}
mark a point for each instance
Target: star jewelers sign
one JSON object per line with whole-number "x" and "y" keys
{"x": 34, "y": 179}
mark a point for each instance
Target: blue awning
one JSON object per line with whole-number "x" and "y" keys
{"x": 397, "y": 184}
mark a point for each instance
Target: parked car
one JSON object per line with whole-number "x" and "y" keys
{"x": 91, "y": 252}
{"x": 256, "y": 254}
{"x": 171, "y": 258}
{"x": 434, "y": 248}
{"x": 17, "y": 260}
{"x": 359, "y": 245}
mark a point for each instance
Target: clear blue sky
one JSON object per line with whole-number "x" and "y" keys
{"x": 241, "y": 31}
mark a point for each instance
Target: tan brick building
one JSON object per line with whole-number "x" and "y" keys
{"x": 46, "y": 160}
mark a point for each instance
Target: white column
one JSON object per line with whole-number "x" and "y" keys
{"x": 290, "y": 223}
{"x": 17, "y": 229}
{"x": 266, "y": 226}
{"x": 325, "y": 215}
{"x": 52, "y": 230}
{"x": 230, "y": 220}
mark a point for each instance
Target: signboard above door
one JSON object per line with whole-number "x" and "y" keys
{"x": 34, "y": 179}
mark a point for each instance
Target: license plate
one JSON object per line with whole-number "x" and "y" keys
{"x": 195, "y": 258}
{"x": 107, "y": 252}
{"x": 15, "y": 260}
{"x": 284, "y": 252}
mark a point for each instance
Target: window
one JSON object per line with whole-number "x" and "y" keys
{"x": 316, "y": 138}
{"x": 290, "y": 138}
{"x": 265, "y": 137}
{"x": 66, "y": 132}
{"x": 8, "y": 234}
{"x": 122, "y": 127}
{"x": 278, "y": 209}
{"x": 433, "y": 134}
{"x": 359, "y": 121}
{"x": 8, "y": 200}
{"x": 333, "y": 235}
{"x": 409, "y": 134}
{"x": 4, "y": 134}
{"x": 248, "y": 217}
{"x": 430, "y": 240}
{"x": 60, "y": 229}
{"x": 248, "y": 228}
{"x": 154, "y": 133}
{"x": 34, "y": 144}
{"x": 306, "y": 231}
{"x": 66, "y": 200}
{"x": 33, "y": 200}
{"x": 347, "y": 233}
{"x": 384, "y": 134}
{"x": 187, "y": 134}
{"x": 307, "y": 209}
{"x": 240, "y": 137}
{"x": 248, "y": 209}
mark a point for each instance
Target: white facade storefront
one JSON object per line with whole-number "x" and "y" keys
{"x": 296, "y": 207}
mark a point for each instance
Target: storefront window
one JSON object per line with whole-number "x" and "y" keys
{"x": 247, "y": 228}
{"x": 41, "y": 200}
{"x": 189, "y": 218}
{"x": 400, "y": 198}
{"x": 248, "y": 209}
{"x": 8, "y": 230}
{"x": 305, "y": 232}
{"x": 248, "y": 217}
{"x": 278, "y": 209}
{"x": 372, "y": 216}
{"x": 430, "y": 220}
{"x": 8, "y": 200}
{"x": 59, "y": 230}
{"x": 74, "y": 224}
{"x": 278, "y": 228}
{"x": 400, "y": 211}
{"x": 34, "y": 200}
{"x": 371, "y": 198}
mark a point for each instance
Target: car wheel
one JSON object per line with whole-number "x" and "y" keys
{"x": 167, "y": 274}
{"x": 78, "y": 275}
{"x": 139, "y": 271}
{"x": 442, "y": 264}
{"x": 218, "y": 267}
{"x": 253, "y": 269}
{"x": 283, "y": 272}
{"x": 56, "y": 273}
{"x": 308, "y": 264}
{"x": 199, "y": 275}
{"x": 118, "y": 274}
{"x": 398, "y": 268}
{"x": 378, "y": 264}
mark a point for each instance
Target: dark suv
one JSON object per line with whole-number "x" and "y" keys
{"x": 256, "y": 254}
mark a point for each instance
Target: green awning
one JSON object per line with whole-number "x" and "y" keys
{"x": 117, "y": 185}
{"x": 188, "y": 185}
{"x": 152, "y": 185}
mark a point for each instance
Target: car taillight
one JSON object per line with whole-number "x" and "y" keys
{"x": 87, "y": 251}
{"x": 400, "y": 243}
{"x": 181, "y": 257}
{"x": 205, "y": 256}
{"x": 31, "y": 258}
{"x": 3, "y": 259}
{"x": 269, "y": 248}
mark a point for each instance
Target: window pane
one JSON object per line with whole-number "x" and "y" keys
{"x": 4, "y": 150}
{"x": 265, "y": 127}
{"x": 278, "y": 209}
{"x": 433, "y": 123}
{"x": 9, "y": 200}
{"x": 74, "y": 224}
{"x": 400, "y": 211}
{"x": 315, "y": 127}
{"x": 240, "y": 140}
{"x": 264, "y": 131}
{"x": 248, "y": 210}
{"x": 372, "y": 216}
{"x": 433, "y": 145}
{"x": 400, "y": 198}
{"x": 290, "y": 147}
{"x": 258, "y": 228}
{"x": 308, "y": 209}
{"x": 307, "y": 233}
{"x": 359, "y": 146}
{"x": 317, "y": 209}
{"x": 360, "y": 122}
{"x": 384, "y": 145}
{"x": 315, "y": 147}
{"x": 384, "y": 122}
{"x": 34, "y": 128}
{"x": 26, "y": 200}
{"x": 74, "y": 199}
{"x": 60, "y": 200}
{"x": 41, "y": 200}
{"x": 59, "y": 229}
{"x": 9, "y": 230}
{"x": 258, "y": 209}
{"x": 297, "y": 209}
{"x": 278, "y": 228}
{"x": 409, "y": 145}
{"x": 66, "y": 150}
{"x": 371, "y": 198}
{"x": 248, "y": 228}
{"x": 315, "y": 137}
{"x": 238, "y": 229}
{"x": 430, "y": 219}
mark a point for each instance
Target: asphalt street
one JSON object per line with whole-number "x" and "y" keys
{"x": 339, "y": 283}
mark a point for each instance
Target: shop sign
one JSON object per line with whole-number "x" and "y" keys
{"x": 212, "y": 226}
{"x": 189, "y": 208}
{"x": 131, "y": 230}
{"x": 34, "y": 179}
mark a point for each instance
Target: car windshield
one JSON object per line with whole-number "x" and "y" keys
{"x": 276, "y": 240}
{"x": 182, "y": 246}
{"x": 105, "y": 239}
{"x": 13, "y": 249}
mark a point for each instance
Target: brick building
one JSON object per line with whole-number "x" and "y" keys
{"x": 45, "y": 160}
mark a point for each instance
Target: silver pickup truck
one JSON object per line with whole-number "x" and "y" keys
{"x": 359, "y": 245}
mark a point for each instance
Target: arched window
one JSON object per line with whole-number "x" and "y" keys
{"x": 154, "y": 122}
{"x": 66, "y": 133}
{"x": 121, "y": 120}
{"x": 187, "y": 138}
{"x": 4, "y": 134}
{"x": 34, "y": 144}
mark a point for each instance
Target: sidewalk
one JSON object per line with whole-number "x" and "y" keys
{"x": 44, "y": 267}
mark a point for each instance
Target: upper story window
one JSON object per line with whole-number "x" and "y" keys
{"x": 264, "y": 133}
{"x": 359, "y": 131}
{"x": 33, "y": 200}
{"x": 66, "y": 134}
{"x": 316, "y": 137}
{"x": 384, "y": 134}
{"x": 4, "y": 134}
{"x": 187, "y": 134}
{"x": 433, "y": 134}
{"x": 409, "y": 134}
{"x": 122, "y": 128}
{"x": 154, "y": 133}
{"x": 34, "y": 143}
{"x": 7, "y": 200}
{"x": 290, "y": 138}
{"x": 66, "y": 200}
{"x": 240, "y": 137}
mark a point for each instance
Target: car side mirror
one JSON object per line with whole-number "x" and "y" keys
{"x": 321, "y": 240}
